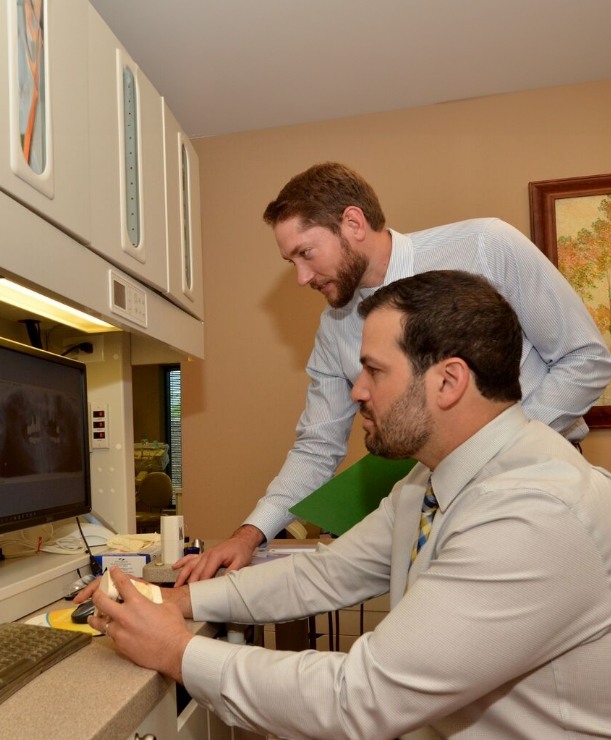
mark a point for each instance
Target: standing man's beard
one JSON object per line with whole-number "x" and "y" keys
{"x": 349, "y": 275}
{"x": 405, "y": 427}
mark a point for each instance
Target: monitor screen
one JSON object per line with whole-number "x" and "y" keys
{"x": 44, "y": 438}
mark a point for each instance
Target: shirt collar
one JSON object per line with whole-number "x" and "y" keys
{"x": 464, "y": 464}
{"x": 400, "y": 264}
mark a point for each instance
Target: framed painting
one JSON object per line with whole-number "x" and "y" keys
{"x": 570, "y": 222}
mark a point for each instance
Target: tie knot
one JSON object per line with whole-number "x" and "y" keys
{"x": 429, "y": 503}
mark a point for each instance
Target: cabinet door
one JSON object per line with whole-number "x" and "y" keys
{"x": 127, "y": 160}
{"x": 44, "y": 152}
{"x": 161, "y": 722}
{"x": 184, "y": 248}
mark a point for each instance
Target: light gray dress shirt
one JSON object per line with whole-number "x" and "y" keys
{"x": 504, "y": 631}
{"x": 565, "y": 363}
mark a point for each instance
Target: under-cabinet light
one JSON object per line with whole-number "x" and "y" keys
{"x": 28, "y": 300}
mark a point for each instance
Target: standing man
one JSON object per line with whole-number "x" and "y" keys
{"x": 330, "y": 226}
{"x": 500, "y": 625}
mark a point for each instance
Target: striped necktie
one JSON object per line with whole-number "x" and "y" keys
{"x": 429, "y": 507}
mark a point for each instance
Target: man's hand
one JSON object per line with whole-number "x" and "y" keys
{"x": 87, "y": 592}
{"x": 180, "y": 597}
{"x": 152, "y": 635}
{"x": 233, "y": 554}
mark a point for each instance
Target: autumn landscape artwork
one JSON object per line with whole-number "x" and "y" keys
{"x": 583, "y": 243}
{"x": 570, "y": 221}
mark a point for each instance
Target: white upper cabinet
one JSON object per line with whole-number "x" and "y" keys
{"x": 44, "y": 152}
{"x": 127, "y": 160}
{"x": 99, "y": 186}
{"x": 184, "y": 248}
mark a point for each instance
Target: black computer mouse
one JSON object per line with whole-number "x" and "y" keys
{"x": 82, "y": 611}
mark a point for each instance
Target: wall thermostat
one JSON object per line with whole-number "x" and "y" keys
{"x": 127, "y": 299}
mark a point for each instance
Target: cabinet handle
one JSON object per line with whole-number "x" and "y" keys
{"x": 148, "y": 736}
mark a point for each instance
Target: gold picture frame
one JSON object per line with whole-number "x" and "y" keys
{"x": 565, "y": 227}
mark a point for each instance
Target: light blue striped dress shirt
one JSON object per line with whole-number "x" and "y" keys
{"x": 564, "y": 368}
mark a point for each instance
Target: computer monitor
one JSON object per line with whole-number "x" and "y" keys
{"x": 44, "y": 438}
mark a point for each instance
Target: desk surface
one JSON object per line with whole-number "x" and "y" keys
{"x": 92, "y": 694}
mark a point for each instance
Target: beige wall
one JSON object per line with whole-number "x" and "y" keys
{"x": 429, "y": 166}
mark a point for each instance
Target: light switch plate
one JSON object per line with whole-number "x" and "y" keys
{"x": 99, "y": 432}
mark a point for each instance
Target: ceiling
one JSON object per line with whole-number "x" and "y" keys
{"x": 226, "y": 66}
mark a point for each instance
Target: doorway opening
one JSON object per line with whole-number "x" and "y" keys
{"x": 157, "y": 412}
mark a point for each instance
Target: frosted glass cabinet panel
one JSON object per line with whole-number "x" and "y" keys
{"x": 44, "y": 153}
{"x": 127, "y": 160}
{"x": 184, "y": 247}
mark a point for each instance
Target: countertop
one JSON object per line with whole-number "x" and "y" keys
{"x": 93, "y": 694}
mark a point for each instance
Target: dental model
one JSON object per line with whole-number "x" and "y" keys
{"x": 149, "y": 590}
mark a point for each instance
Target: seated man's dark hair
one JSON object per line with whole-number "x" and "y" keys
{"x": 450, "y": 313}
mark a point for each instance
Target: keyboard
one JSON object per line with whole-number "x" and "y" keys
{"x": 26, "y": 650}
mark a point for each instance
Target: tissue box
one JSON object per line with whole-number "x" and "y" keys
{"x": 130, "y": 562}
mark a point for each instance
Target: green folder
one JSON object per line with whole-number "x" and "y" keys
{"x": 352, "y": 494}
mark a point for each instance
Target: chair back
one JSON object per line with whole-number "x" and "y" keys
{"x": 155, "y": 492}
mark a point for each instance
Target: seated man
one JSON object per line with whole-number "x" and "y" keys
{"x": 500, "y": 624}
